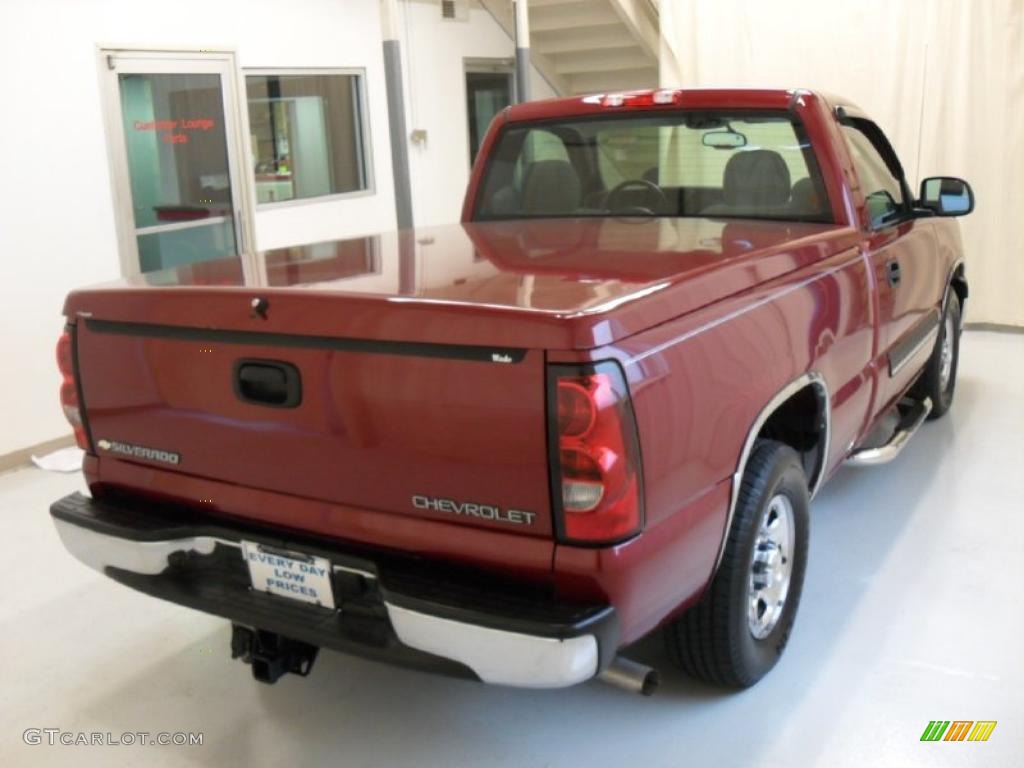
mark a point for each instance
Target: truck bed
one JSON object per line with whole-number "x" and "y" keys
{"x": 406, "y": 372}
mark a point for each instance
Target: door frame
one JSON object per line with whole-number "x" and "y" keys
{"x": 235, "y": 125}
{"x": 483, "y": 65}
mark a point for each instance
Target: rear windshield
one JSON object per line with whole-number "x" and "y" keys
{"x": 708, "y": 163}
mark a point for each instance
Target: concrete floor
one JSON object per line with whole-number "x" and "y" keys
{"x": 912, "y": 611}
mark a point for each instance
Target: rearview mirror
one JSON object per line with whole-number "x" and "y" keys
{"x": 724, "y": 139}
{"x": 947, "y": 196}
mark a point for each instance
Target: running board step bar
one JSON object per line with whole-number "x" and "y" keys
{"x": 910, "y": 422}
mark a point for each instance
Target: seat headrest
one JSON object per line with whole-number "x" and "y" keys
{"x": 552, "y": 187}
{"x": 804, "y": 198}
{"x": 755, "y": 178}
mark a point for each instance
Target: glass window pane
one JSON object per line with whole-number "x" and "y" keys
{"x": 178, "y": 168}
{"x": 177, "y": 150}
{"x": 750, "y": 164}
{"x": 487, "y": 93}
{"x": 177, "y": 247}
{"x": 882, "y": 190}
{"x": 306, "y": 135}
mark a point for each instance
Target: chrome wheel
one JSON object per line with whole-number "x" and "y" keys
{"x": 946, "y": 353}
{"x": 771, "y": 566}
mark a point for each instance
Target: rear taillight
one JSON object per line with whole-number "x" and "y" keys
{"x": 596, "y": 474}
{"x": 69, "y": 399}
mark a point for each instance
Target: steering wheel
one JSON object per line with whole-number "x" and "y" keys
{"x": 614, "y": 200}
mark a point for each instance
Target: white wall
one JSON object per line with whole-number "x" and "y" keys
{"x": 433, "y": 69}
{"x": 57, "y": 229}
{"x": 56, "y": 212}
{"x": 945, "y": 80}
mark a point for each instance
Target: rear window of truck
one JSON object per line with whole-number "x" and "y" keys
{"x": 710, "y": 163}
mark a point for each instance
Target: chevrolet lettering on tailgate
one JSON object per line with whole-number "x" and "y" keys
{"x": 471, "y": 509}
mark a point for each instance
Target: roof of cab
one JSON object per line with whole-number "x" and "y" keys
{"x": 671, "y": 98}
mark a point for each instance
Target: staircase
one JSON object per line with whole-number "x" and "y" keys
{"x": 590, "y": 46}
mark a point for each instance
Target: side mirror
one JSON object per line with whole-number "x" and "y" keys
{"x": 947, "y": 196}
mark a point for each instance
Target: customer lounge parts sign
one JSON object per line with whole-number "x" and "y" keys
{"x": 175, "y": 131}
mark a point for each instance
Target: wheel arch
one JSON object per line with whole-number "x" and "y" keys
{"x": 958, "y": 284}
{"x": 784, "y": 418}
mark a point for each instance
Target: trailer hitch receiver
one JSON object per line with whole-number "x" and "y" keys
{"x": 271, "y": 655}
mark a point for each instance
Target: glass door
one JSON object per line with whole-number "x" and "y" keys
{"x": 488, "y": 91}
{"x": 172, "y": 123}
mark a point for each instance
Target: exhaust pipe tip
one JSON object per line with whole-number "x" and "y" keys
{"x": 650, "y": 683}
{"x": 631, "y": 676}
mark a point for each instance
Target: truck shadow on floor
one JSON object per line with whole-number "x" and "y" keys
{"x": 358, "y": 707}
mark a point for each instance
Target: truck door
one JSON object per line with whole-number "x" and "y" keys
{"x": 901, "y": 248}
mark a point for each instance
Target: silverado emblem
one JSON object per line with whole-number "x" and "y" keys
{"x": 138, "y": 451}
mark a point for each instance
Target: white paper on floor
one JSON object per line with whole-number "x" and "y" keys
{"x": 63, "y": 460}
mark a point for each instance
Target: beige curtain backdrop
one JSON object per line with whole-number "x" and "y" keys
{"x": 944, "y": 79}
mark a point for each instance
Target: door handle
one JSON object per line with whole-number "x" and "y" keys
{"x": 892, "y": 272}
{"x": 267, "y": 382}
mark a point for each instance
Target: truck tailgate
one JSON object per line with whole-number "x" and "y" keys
{"x": 447, "y": 432}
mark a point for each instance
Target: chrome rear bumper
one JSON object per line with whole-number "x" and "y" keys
{"x": 556, "y": 657}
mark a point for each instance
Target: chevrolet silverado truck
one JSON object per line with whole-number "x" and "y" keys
{"x": 508, "y": 448}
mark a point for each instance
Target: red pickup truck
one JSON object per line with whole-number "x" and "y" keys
{"x": 508, "y": 448}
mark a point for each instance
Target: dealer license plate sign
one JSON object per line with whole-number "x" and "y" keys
{"x": 289, "y": 574}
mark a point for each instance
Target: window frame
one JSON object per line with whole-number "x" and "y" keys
{"x": 876, "y": 137}
{"x": 592, "y": 171}
{"x": 364, "y": 140}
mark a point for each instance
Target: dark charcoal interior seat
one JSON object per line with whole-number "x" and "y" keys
{"x": 804, "y": 200}
{"x": 552, "y": 187}
{"x": 756, "y": 181}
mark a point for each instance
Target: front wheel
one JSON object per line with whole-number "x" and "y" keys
{"x": 738, "y": 630}
{"x": 938, "y": 380}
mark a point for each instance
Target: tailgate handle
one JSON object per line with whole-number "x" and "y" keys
{"x": 267, "y": 382}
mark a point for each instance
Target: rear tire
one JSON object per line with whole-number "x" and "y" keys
{"x": 938, "y": 380}
{"x": 738, "y": 630}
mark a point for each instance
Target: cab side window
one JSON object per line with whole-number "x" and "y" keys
{"x": 882, "y": 190}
